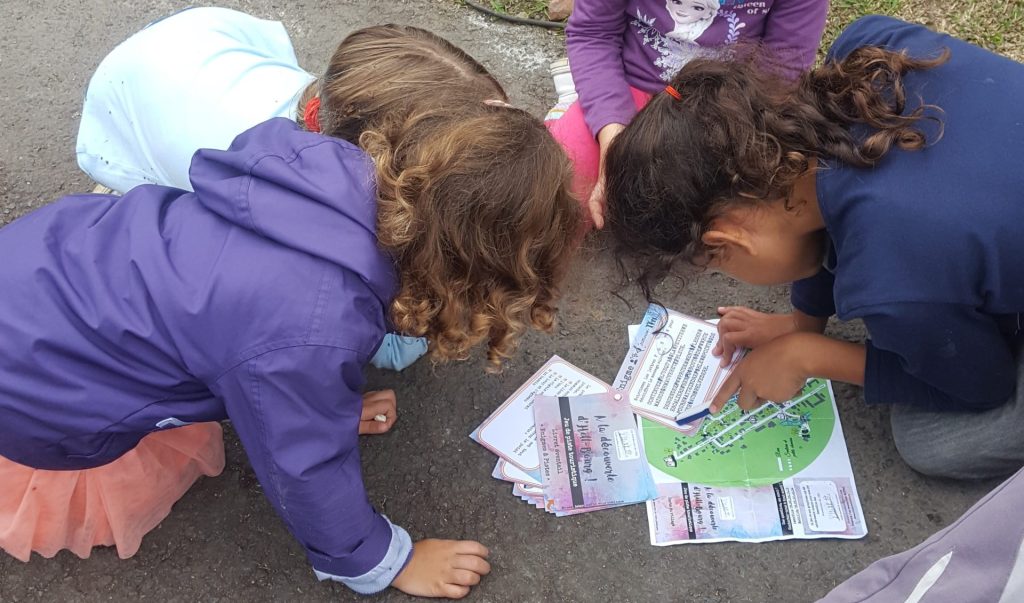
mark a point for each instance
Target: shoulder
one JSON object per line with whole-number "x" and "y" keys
{"x": 887, "y": 32}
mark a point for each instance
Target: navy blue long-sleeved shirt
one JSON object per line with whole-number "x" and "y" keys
{"x": 928, "y": 246}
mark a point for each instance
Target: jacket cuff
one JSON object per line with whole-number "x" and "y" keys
{"x": 599, "y": 118}
{"x": 380, "y": 577}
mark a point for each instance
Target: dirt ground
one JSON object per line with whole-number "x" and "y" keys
{"x": 223, "y": 541}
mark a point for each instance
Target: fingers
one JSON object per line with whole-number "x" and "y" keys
{"x": 472, "y": 563}
{"x": 747, "y": 399}
{"x": 454, "y": 591}
{"x": 725, "y": 392}
{"x": 374, "y": 427}
{"x": 727, "y": 343}
{"x": 471, "y": 547}
{"x": 468, "y": 566}
{"x": 596, "y": 207}
{"x": 596, "y": 204}
{"x": 377, "y": 405}
{"x": 465, "y": 577}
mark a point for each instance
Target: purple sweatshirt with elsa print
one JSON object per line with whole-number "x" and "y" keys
{"x": 259, "y": 298}
{"x": 615, "y": 44}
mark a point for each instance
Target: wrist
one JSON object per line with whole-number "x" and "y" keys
{"x": 607, "y": 134}
{"x": 816, "y": 355}
{"x": 807, "y": 323}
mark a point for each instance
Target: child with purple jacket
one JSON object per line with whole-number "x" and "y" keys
{"x": 131, "y": 325}
{"x": 622, "y": 51}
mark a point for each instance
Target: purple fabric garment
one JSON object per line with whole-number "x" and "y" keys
{"x": 977, "y": 559}
{"x": 258, "y": 298}
{"x": 614, "y": 44}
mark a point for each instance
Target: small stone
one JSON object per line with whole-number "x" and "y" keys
{"x": 559, "y": 9}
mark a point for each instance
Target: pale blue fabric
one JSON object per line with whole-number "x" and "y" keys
{"x": 381, "y": 576}
{"x": 398, "y": 352}
{"x": 194, "y": 80}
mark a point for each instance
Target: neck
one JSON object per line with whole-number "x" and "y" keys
{"x": 805, "y": 200}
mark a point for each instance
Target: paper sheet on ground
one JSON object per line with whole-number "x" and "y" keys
{"x": 510, "y": 431}
{"x": 779, "y": 472}
{"x": 669, "y": 373}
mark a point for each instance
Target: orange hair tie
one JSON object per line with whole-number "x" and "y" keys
{"x": 311, "y": 116}
{"x": 673, "y": 93}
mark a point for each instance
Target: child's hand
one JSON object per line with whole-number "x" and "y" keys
{"x": 742, "y": 327}
{"x": 596, "y": 203}
{"x": 443, "y": 568}
{"x": 377, "y": 405}
{"x": 775, "y": 371}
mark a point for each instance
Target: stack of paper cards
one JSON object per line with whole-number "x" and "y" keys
{"x": 670, "y": 375}
{"x": 511, "y": 433}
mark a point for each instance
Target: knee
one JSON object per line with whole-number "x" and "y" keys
{"x": 922, "y": 449}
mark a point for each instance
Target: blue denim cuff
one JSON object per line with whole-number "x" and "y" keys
{"x": 381, "y": 576}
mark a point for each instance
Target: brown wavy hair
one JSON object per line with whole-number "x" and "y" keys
{"x": 473, "y": 195}
{"x": 393, "y": 69}
{"x": 743, "y": 134}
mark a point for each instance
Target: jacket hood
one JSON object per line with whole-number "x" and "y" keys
{"x": 306, "y": 191}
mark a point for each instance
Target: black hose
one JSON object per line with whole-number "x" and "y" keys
{"x": 513, "y": 19}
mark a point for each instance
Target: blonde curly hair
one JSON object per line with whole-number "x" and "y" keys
{"x": 473, "y": 196}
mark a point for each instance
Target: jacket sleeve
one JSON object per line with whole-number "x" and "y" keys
{"x": 297, "y": 411}
{"x": 594, "y": 44}
{"x": 937, "y": 356}
{"x": 813, "y": 296}
{"x": 793, "y": 33}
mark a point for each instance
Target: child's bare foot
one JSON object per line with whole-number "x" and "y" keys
{"x": 443, "y": 568}
{"x": 380, "y": 410}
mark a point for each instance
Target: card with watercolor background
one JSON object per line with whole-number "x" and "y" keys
{"x": 590, "y": 452}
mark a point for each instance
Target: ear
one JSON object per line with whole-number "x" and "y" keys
{"x": 728, "y": 237}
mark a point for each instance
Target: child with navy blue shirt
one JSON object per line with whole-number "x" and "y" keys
{"x": 882, "y": 184}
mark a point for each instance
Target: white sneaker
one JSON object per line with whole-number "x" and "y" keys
{"x": 565, "y": 89}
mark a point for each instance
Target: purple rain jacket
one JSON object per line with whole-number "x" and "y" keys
{"x": 258, "y": 298}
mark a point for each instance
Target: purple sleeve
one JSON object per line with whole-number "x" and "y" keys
{"x": 297, "y": 411}
{"x": 793, "y": 33}
{"x": 813, "y": 296}
{"x": 936, "y": 356}
{"x": 594, "y": 40}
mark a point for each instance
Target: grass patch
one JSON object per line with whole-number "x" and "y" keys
{"x": 994, "y": 24}
{"x": 527, "y": 9}
{"x": 997, "y": 25}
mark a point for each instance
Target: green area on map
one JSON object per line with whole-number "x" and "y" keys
{"x": 733, "y": 448}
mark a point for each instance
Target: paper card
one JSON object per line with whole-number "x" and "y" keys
{"x": 591, "y": 454}
{"x": 510, "y": 432}
{"x": 508, "y": 472}
{"x": 792, "y": 509}
{"x": 670, "y": 372}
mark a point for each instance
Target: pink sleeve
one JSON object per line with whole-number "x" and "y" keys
{"x": 594, "y": 41}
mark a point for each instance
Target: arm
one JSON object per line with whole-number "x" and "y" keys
{"x": 594, "y": 43}
{"x": 937, "y": 356}
{"x": 793, "y": 33}
{"x": 297, "y": 413}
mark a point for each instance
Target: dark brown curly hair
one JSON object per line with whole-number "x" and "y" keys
{"x": 473, "y": 195}
{"x": 743, "y": 134}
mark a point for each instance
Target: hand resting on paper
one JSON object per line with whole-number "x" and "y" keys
{"x": 375, "y": 406}
{"x": 443, "y": 568}
{"x": 772, "y": 371}
{"x": 741, "y": 327}
{"x": 778, "y": 369}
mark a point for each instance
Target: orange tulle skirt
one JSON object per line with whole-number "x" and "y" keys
{"x": 113, "y": 505}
